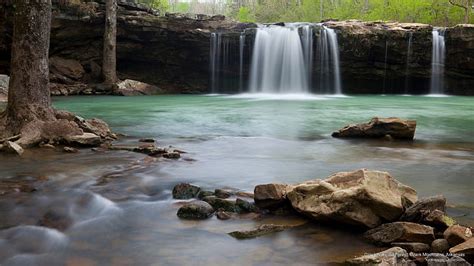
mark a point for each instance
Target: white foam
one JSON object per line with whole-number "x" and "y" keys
{"x": 281, "y": 97}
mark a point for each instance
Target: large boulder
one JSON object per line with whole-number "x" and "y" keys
{"x": 4, "y": 80}
{"x": 131, "y": 87}
{"x": 394, "y": 127}
{"x": 363, "y": 198}
{"x": 271, "y": 196}
{"x": 185, "y": 191}
{"x": 392, "y": 256}
{"x": 400, "y": 232}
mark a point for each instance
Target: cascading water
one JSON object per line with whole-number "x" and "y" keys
{"x": 223, "y": 57}
{"x": 241, "y": 59}
{"x": 307, "y": 41}
{"x": 278, "y": 64}
{"x": 407, "y": 66}
{"x": 328, "y": 52}
{"x": 385, "y": 68}
{"x": 437, "y": 62}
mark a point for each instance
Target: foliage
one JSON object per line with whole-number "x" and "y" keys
{"x": 436, "y": 12}
{"x": 162, "y": 5}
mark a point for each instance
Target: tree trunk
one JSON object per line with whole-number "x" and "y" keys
{"x": 29, "y": 97}
{"x": 109, "y": 64}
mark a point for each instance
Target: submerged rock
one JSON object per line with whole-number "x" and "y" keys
{"x": 55, "y": 220}
{"x": 197, "y": 210}
{"x": 394, "y": 127}
{"x": 70, "y": 150}
{"x": 400, "y": 232}
{"x": 185, "y": 191}
{"x": 204, "y": 193}
{"x": 457, "y": 234}
{"x": 222, "y": 193}
{"x": 264, "y": 229}
{"x": 363, "y": 198}
{"x": 392, "y": 256}
{"x": 12, "y": 147}
{"x": 271, "y": 196}
{"x": 244, "y": 206}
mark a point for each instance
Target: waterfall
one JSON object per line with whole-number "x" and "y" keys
{"x": 241, "y": 59}
{"x": 307, "y": 41}
{"x": 329, "y": 71}
{"x": 407, "y": 66}
{"x": 278, "y": 62}
{"x": 437, "y": 62}
{"x": 213, "y": 61}
{"x": 385, "y": 68}
{"x": 223, "y": 59}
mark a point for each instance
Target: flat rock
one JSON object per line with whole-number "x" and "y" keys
{"x": 457, "y": 234}
{"x": 131, "y": 87}
{"x": 392, "y": 256}
{"x": 361, "y": 198}
{"x": 466, "y": 248}
{"x": 197, "y": 210}
{"x": 86, "y": 139}
{"x": 400, "y": 232}
{"x": 262, "y": 230}
{"x": 185, "y": 191}
{"x": 271, "y": 196}
{"x": 394, "y": 127}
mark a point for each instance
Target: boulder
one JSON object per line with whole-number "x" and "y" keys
{"x": 438, "y": 219}
{"x": 417, "y": 212}
{"x": 400, "y": 232}
{"x": 204, "y": 193}
{"x": 264, "y": 229}
{"x": 12, "y": 147}
{"x": 131, "y": 87}
{"x": 244, "y": 206}
{"x": 221, "y": 204}
{"x": 66, "y": 67}
{"x": 440, "y": 246}
{"x": 185, "y": 191}
{"x": 363, "y": 198}
{"x": 392, "y": 256}
{"x": 223, "y": 215}
{"x": 4, "y": 80}
{"x": 271, "y": 196}
{"x": 457, "y": 234}
{"x": 394, "y": 127}
{"x": 197, "y": 210}
{"x": 222, "y": 193}
{"x": 95, "y": 126}
{"x": 412, "y": 246}
{"x": 86, "y": 139}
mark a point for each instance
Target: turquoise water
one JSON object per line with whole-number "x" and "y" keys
{"x": 231, "y": 141}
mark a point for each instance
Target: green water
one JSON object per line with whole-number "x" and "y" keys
{"x": 233, "y": 142}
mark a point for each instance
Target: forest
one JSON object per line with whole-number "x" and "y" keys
{"x": 435, "y": 12}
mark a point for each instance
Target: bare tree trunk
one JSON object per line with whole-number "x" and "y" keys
{"x": 29, "y": 96}
{"x": 109, "y": 64}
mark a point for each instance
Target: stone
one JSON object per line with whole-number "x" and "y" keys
{"x": 262, "y": 230}
{"x": 438, "y": 219}
{"x": 244, "y": 194}
{"x": 147, "y": 140}
{"x": 416, "y": 212}
{"x": 204, "y": 193}
{"x": 412, "y": 246}
{"x": 185, "y": 191}
{"x": 440, "y": 246}
{"x": 222, "y": 193}
{"x": 244, "y": 206}
{"x": 131, "y": 87}
{"x": 271, "y": 196}
{"x": 171, "y": 155}
{"x": 392, "y": 256}
{"x": 95, "y": 126}
{"x": 70, "y": 150}
{"x": 12, "y": 147}
{"x": 198, "y": 210}
{"x": 458, "y": 261}
{"x": 221, "y": 204}
{"x": 55, "y": 220}
{"x": 457, "y": 234}
{"x": 362, "y": 198}
{"x": 436, "y": 259}
{"x": 223, "y": 215}
{"x": 395, "y": 127}
{"x": 66, "y": 67}
{"x": 86, "y": 139}
{"x": 466, "y": 248}
{"x": 388, "y": 233}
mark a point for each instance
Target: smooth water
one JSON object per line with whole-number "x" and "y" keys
{"x": 232, "y": 141}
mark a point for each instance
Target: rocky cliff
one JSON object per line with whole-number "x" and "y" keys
{"x": 173, "y": 52}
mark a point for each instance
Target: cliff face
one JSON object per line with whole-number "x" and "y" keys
{"x": 173, "y": 52}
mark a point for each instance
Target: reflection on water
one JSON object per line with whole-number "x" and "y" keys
{"x": 114, "y": 207}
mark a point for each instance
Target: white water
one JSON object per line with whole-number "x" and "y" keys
{"x": 277, "y": 62}
{"x": 437, "y": 62}
{"x": 407, "y": 66}
{"x": 241, "y": 57}
{"x": 328, "y": 50}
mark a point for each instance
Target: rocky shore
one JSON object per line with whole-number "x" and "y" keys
{"x": 372, "y": 203}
